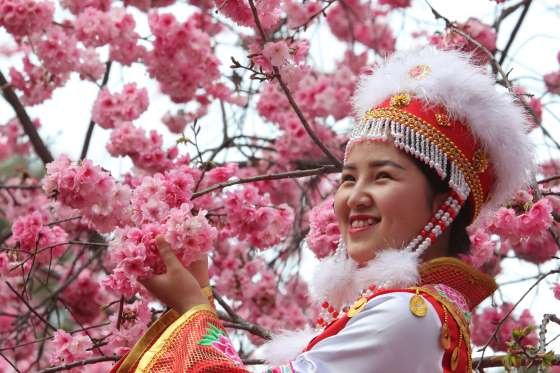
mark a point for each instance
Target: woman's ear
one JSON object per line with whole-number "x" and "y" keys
{"x": 438, "y": 199}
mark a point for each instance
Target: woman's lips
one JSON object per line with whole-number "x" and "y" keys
{"x": 360, "y": 229}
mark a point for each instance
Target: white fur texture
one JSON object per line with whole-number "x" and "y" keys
{"x": 285, "y": 346}
{"x": 340, "y": 282}
{"x": 468, "y": 94}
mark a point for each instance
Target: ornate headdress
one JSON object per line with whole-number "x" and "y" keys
{"x": 446, "y": 112}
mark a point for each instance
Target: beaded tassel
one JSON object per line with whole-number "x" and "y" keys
{"x": 442, "y": 219}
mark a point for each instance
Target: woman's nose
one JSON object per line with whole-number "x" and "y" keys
{"x": 359, "y": 198}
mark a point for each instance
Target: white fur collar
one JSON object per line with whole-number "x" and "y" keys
{"x": 339, "y": 280}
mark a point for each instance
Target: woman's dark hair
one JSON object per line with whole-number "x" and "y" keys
{"x": 459, "y": 242}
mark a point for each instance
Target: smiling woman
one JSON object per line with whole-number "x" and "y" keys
{"x": 436, "y": 148}
{"x": 384, "y": 200}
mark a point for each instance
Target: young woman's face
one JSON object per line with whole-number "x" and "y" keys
{"x": 383, "y": 200}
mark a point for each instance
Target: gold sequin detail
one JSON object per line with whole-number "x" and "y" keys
{"x": 455, "y": 358}
{"x": 418, "y": 305}
{"x": 400, "y": 100}
{"x": 357, "y": 307}
{"x": 438, "y": 138}
{"x": 444, "y": 336}
{"x": 420, "y": 72}
{"x": 443, "y": 120}
{"x": 480, "y": 161}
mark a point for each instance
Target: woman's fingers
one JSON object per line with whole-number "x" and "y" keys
{"x": 167, "y": 255}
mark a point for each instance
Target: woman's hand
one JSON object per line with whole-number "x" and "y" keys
{"x": 177, "y": 287}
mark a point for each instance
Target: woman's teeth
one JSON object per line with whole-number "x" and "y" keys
{"x": 362, "y": 223}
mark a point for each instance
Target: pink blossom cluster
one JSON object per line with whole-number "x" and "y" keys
{"x": 324, "y": 233}
{"x": 78, "y": 6}
{"x": 112, "y": 108}
{"x": 252, "y": 217}
{"x": 185, "y": 47}
{"x": 95, "y": 28}
{"x": 277, "y": 53}
{"x": 67, "y": 348}
{"x": 552, "y": 82}
{"x": 527, "y": 233}
{"x": 25, "y": 17}
{"x": 556, "y": 290}
{"x": 146, "y": 5}
{"x": 84, "y": 297}
{"x": 37, "y": 239}
{"x": 36, "y": 82}
{"x": 137, "y": 317}
{"x": 156, "y": 195}
{"x": 90, "y": 66}
{"x": 58, "y": 50}
{"x": 240, "y": 276}
{"x": 486, "y": 321}
{"x": 177, "y": 122}
{"x": 190, "y": 235}
{"x": 485, "y": 253}
{"x": 482, "y": 33}
{"x": 12, "y": 140}
{"x": 135, "y": 256}
{"x": 240, "y": 12}
{"x": 300, "y": 14}
{"x": 394, "y": 4}
{"x": 356, "y": 20}
{"x": 89, "y": 189}
{"x": 144, "y": 150}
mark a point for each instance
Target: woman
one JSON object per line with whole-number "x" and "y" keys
{"x": 436, "y": 147}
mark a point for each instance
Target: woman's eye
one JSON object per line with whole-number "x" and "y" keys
{"x": 344, "y": 178}
{"x": 382, "y": 175}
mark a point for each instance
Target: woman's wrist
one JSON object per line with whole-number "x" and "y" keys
{"x": 193, "y": 300}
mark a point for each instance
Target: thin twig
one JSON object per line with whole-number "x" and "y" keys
{"x": 289, "y": 96}
{"x": 281, "y": 175}
{"x": 515, "y": 30}
{"x": 501, "y": 322}
{"x": 81, "y": 363}
{"x": 89, "y": 132}
{"x": 46, "y": 322}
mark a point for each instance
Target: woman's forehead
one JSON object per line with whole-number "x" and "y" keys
{"x": 368, "y": 151}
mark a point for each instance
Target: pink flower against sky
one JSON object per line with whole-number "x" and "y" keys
{"x": 277, "y": 52}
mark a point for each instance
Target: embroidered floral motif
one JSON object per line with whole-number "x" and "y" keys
{"x": 217, "y": 339}
{"x": 280, "y": 369}
{"x": 455, "y": 297}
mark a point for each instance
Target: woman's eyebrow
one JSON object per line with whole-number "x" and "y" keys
{"x": 375, "y": 164}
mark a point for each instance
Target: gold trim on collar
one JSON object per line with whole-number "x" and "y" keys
{"x": 144, "y": 343}
{"x": 474, "y": 285}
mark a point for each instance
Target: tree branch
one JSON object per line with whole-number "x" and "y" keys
{"x": 89, "y": 132}
{"x": 281, "y": 175}
{"x": 81, "y": 363}
{"x": 515, "y": 30}
{"x": 289, "y": 96}
{"x": 28, "y": 127}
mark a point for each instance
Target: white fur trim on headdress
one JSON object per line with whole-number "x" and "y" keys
{"x": 469, "y": 95}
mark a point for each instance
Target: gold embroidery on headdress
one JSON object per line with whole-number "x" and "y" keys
{"x": 480, "y": 161}
{"x": 443, "y": 120}
{"x": 419, "y": 72}
{"x": 400, "y": 100}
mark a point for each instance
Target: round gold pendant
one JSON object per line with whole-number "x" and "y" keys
{"x": 444, "y": 337}
{"x": 357, "y": 307}
{"x": 418, "y": 306}
{"x": 454, "y": 358}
